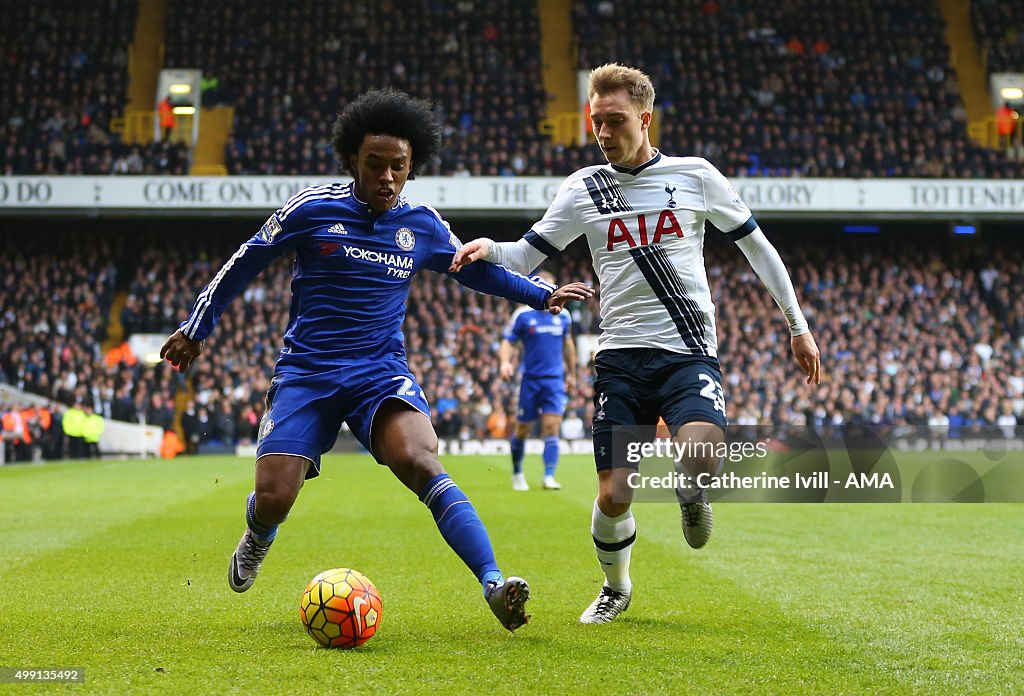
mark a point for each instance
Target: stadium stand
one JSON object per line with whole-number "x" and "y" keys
{"x": 64, "y": 71}
{"x": 917, "y": 331}
{"x": 55, "y": 302}
{"x": 1000, "y": 30}
{"x": 797, "y": 89}
{"x": 287, "y": 77}
{"x": 806, "y": 88}
{"x": 917, "y": 328}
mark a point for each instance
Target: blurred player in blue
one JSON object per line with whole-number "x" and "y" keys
{"x": 357, "y": 246}
{"x": 548, "y": 365}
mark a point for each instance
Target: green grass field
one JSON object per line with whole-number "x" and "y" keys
{"x": 119, "y": 568}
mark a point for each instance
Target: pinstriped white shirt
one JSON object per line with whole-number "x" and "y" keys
{"x": 645, "y": 228}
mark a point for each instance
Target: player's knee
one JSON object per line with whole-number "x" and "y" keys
{"x": 709, "y": 464}
{"x": 701, "y": 445}
{"x": 274, "y": 501}
{"x": 416, "y": 467}
{"x": 614, "y": 494}
{"x": 614, "y": 504}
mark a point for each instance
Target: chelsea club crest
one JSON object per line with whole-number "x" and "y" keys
{"x": 405, "y": 239}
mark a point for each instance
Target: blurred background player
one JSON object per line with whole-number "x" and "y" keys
{"x": 357, "y": 246}
{"x": 548, "y": 365}
{"x": 644, "y": 214}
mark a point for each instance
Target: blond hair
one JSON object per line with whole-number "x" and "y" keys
{"x": 612, "y": 77}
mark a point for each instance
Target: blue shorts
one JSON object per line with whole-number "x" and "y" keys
{"x": 636, "y": 386}
{"x": 305, "y": 410}
{"x": 541, "y": 395}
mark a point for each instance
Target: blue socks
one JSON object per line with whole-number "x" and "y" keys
{"x": 262, "y": 531}
{"x": 461, "y": 527}
{"x": 550, "y": 455}
{"x": 518, "y": 449}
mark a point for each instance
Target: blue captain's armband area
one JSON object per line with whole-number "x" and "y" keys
{"x": 540, "y": 244}
{"x": 743, "y": 230}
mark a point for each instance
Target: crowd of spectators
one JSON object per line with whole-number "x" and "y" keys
{"x": 477, "y": 62}
{"x": 64, "y": 67}
{"x": 29, "y": 433}
{"x": 56, "y": 294}
{"x": 916, "y": 329}
{"x": 999, "y": 27}
{"x": 817, "y": 88}
{"x": 802, "y": 88}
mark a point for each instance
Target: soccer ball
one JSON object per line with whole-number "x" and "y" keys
{"x": 340, "y": 608}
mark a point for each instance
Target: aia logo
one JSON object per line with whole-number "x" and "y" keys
{"x": 636, "y": 233}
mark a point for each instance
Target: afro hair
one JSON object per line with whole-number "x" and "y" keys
{"x": 387, "y": 112}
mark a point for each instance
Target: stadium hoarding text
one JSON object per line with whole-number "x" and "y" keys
{"x": 792, "y": 197}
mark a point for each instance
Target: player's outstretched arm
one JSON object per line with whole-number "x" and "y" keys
{"x": 805, "y": 350}
{"x": 180, "y": 350}
{"x": 470, "y": 252}
{"x": 495, "y": 279}
{"x": 766, "y": 262}
{"x": 521, "y": 256}
{"x": 572, "y": 292}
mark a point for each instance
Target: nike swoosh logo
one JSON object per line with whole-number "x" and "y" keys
{"x": 357, "y": 605}
{"x": 235, "y": 575}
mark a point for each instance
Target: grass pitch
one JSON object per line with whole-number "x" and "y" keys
{"x": 119, "y": 568}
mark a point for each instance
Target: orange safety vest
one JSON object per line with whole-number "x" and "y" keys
{"x": 1005, "y": 121}
{"x": 166, "y": 114}
{"x": 14, "y": 423}
{"x": 171, "y": 446}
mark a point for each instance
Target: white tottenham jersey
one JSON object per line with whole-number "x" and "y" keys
{"x": 645, "y": 227}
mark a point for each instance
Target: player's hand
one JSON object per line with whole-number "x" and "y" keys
{"x": 570, "y": 383}
{"x": 507, "y": 370}
{"x": 470, "y": 252}
{"x": 573, "y": 292}
{"x": 805, "y": 350}
{"x": 180, "y": 350}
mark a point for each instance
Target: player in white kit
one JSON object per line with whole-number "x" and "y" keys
{"x": 643, "y": 214}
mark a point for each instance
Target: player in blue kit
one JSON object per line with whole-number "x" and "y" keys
{"x": 548, "y": 365}
{"x": 356, "y": 247}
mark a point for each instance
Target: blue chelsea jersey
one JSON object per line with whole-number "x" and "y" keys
{"x": 351, "y": 275}
{"x": 543, "y": 336}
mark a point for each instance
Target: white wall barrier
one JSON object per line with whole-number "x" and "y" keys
{"x": 131, "y": 439}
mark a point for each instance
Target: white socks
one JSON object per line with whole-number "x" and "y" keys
{"x": 613, "y": 540}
